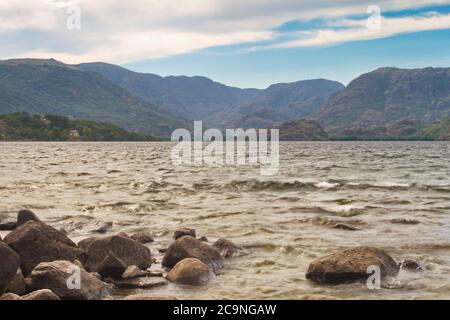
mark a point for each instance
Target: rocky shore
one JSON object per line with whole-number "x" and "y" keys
{"x": 39, "y": 262}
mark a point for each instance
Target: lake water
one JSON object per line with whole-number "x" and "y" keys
{"x": 284, "y": 221}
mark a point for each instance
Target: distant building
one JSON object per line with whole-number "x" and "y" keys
{"x": 74, "y": 134}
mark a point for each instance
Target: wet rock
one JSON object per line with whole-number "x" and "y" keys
{"x": 188, "y": 247}
{"x": 37, "y": 242}
{"x": 83, "y": 244}
{"x": 8, "y": 226}
{"x": 105, "y": 227}
{"x": 143, "y": 237}
{"x": 10, "y": 297}
{"x": 184, "y": 232}
{"x": 111, "y": 256}
{"x": 347, "y": 227}
{"x": 404, "y": 221}
{"x": 149, "y": 296}
{"x": 111, "y": 267}
{"x": 26, "y": 215}
{"x": 203, "y": 239}
{"x": 133, "y": 272}
{"x": 9, "y": 263}
{"x": 412, "y": 265}
{"x": 351, "y": 265}
{"x": 17, "y": 284}
{"x": 227, "y": 248}
{"x": 44, "y": 294}
{"x": 141, "y": 283}
{"x": 61, "y": 277}
{"x": 191, "y": 272}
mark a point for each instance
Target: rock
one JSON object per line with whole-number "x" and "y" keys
{"x": 26, "y": 215}
{"x": 412, "y": 265}
{"x": 133, "y": 272}
{"x": 10, "y": 297}
{"x": 350, "y": 265}
{"x": 44, "y": 294}
{"x": 111, "y": 267}
{"x": 111, "y": 256}
{"x": 184, "y": 232}
{"x": 343, "y": 226}
{"x": 17, "y": 284}
{"x": 203, "y": 239}
{"x": 8, "y": 226}
{"x": 105, "y": 227}
{"x": 227, "y": 248}
{"x": 37, "y": 242}
{"x": 191, "y": 272}
{"x": 140, "y": 283}
{"x": 61, "y": 277}
{"x": 149, "y": 296}
{"x": 9, "y": 263}
{"x": 188, "y": 247}
{"x": 142, "y": 237}
{"x": 83, "y": 244}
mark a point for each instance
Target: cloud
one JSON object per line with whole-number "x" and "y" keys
{"x": 357, "y": 30}
{"x": 124, "y": 31}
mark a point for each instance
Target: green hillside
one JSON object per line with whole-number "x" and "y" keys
{"x": 22, "y": 126}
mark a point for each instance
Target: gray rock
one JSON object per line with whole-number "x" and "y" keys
{"x": 351, "y": 265}
{"x": 58, "y": 275}
{"x": 111, "y": 256}
{"x": 188, "y": 247}
{"x": 37, "y": 242}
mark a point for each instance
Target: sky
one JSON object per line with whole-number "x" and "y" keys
{"x": 251, "y": 43}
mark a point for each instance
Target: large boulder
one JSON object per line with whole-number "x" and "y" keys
{"x": 37, "y": 242}
{"x": 351, "y": 265}
{"x": 26, "y": 215}
{"x": 68, "y": 281}
{"x": 188, "y": 247}
{"x": 111, "y": 256}
{"x": 9, "y": 264}
{"x": 191, "y": 272}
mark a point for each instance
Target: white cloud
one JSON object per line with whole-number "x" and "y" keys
{"x": 123, "y": 31}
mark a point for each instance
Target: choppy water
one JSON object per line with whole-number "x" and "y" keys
{"x": 284, "y": 221}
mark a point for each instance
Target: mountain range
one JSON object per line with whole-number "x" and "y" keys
{"x": 156, "y": 105}
{"x": 388, "y": 95}
{"x": 218, "y": 105}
